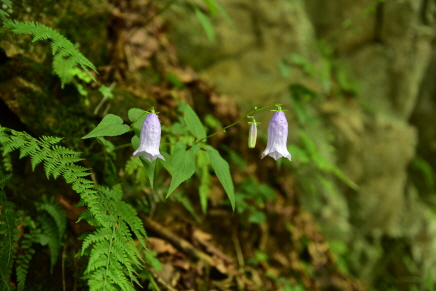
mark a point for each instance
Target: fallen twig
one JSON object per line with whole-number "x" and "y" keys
{"x": 178, "y": 242}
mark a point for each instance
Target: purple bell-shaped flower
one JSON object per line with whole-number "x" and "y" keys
{"x": 150, "y": 139}
{"x": 277, "y": 137}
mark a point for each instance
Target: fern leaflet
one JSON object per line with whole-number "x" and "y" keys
{"x": 113, "y": 255}
{"x": 3, "y": 14}
{"x": 24, "y": 258}
{"x": 8, "y": 235}
{"x": 53, "y": 223}
{"x": 61, "y": 47}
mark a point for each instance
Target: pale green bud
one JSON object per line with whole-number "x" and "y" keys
{"x": 252, "y": 135}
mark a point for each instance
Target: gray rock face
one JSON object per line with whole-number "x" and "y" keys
{"x": 386, "y": 47}
{"x": 243, "y": 61}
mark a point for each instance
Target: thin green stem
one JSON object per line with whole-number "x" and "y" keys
{"x": 108, "y": 258}
{"x": 122, "y": 146}
{"x": 236, "y": 122}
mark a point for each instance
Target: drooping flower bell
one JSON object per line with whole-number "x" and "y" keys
{"x": 150, "y": 138}
{"x": 277, "y": 136}
{"x": 252, "y": 133}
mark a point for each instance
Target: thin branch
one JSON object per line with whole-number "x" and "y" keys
{"x": 180, "y": 243}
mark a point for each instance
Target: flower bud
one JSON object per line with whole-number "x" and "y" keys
{"x": 150, "y": 139}
{"x": 277, "y": 137}
{"x": 252, "y": 135}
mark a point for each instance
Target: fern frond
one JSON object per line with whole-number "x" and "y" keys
{"x": 60, "y": 45}
{"x": 56, "y": 212}
{"x": 24, "y": 258}
{"x": 65, "y": 151}
{"x": 128, "y": 215}
{"x": 8, "y": 236}
{"x": 12, "y": 144}
{"x": 53, "y": 223}
{"x": 50, "y": 230}
{"x": 113, "y": 249}
{"x": 8, "y": 3}
{"x": 3, "y": 14}
{"x": 26, "y": 150}
{"x": 50, "y": 140}
{"x": 64, "y": 68}
{"x": 97, "y": 236}
{"x": 37, "y": 157}
{"x": 3, "y": 181}
{"x": 113, "y": 255}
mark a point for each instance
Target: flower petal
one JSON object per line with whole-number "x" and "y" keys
{"x": 150, "y": 139}
{"x": 277, "y": 137}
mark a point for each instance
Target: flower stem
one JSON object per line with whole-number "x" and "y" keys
{"x": 236, "y": 122}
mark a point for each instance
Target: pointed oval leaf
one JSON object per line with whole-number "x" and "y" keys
{"x": 137, "y": 117}
{"x": 222, "y": 171}
{"x": 193, "y": 123}
{"x": 183, "y": 164}
{"x": 110, "y": 125}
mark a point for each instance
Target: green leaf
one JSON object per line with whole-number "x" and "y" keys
{"x": 135, "y": 114}
{"x": 149, "y": 166}
{"x": 63, "y": 68}
{"x": 137, "y": 117}
{"x": 193, "y": 123}
{"x": 183, "y": 164}
{"x": 205, "y": 179}
{"x": 222, "y": 170}
{"x": 8, "y": 3}
{"x": 111, "y": 125}
{"x": 207, "y": 25}
{"x": 167, "y": 162}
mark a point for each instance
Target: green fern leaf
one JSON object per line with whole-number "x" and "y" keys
{"x": 64, "y": 68}
{"x": 60, "y": 45}
{"x": 4, "y": 180}
{"x": 113, "y": 256}
{"x": 56, "y": 212}
{"x": 4, "y": 15}
{"x": 37, "y": 157}
{"x": 24, "y": 259}
{"x": 8, "y": 235}
{"x": 8, "y": 3}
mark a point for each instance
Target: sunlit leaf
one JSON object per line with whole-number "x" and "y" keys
{"x": 193, "y": 123}
{"x": 183, "y": 164}
{"x": 137, "y": 117}
{"x": 111, "y": 125}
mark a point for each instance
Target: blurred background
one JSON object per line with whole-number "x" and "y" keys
{"x": 358, "y": 79}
